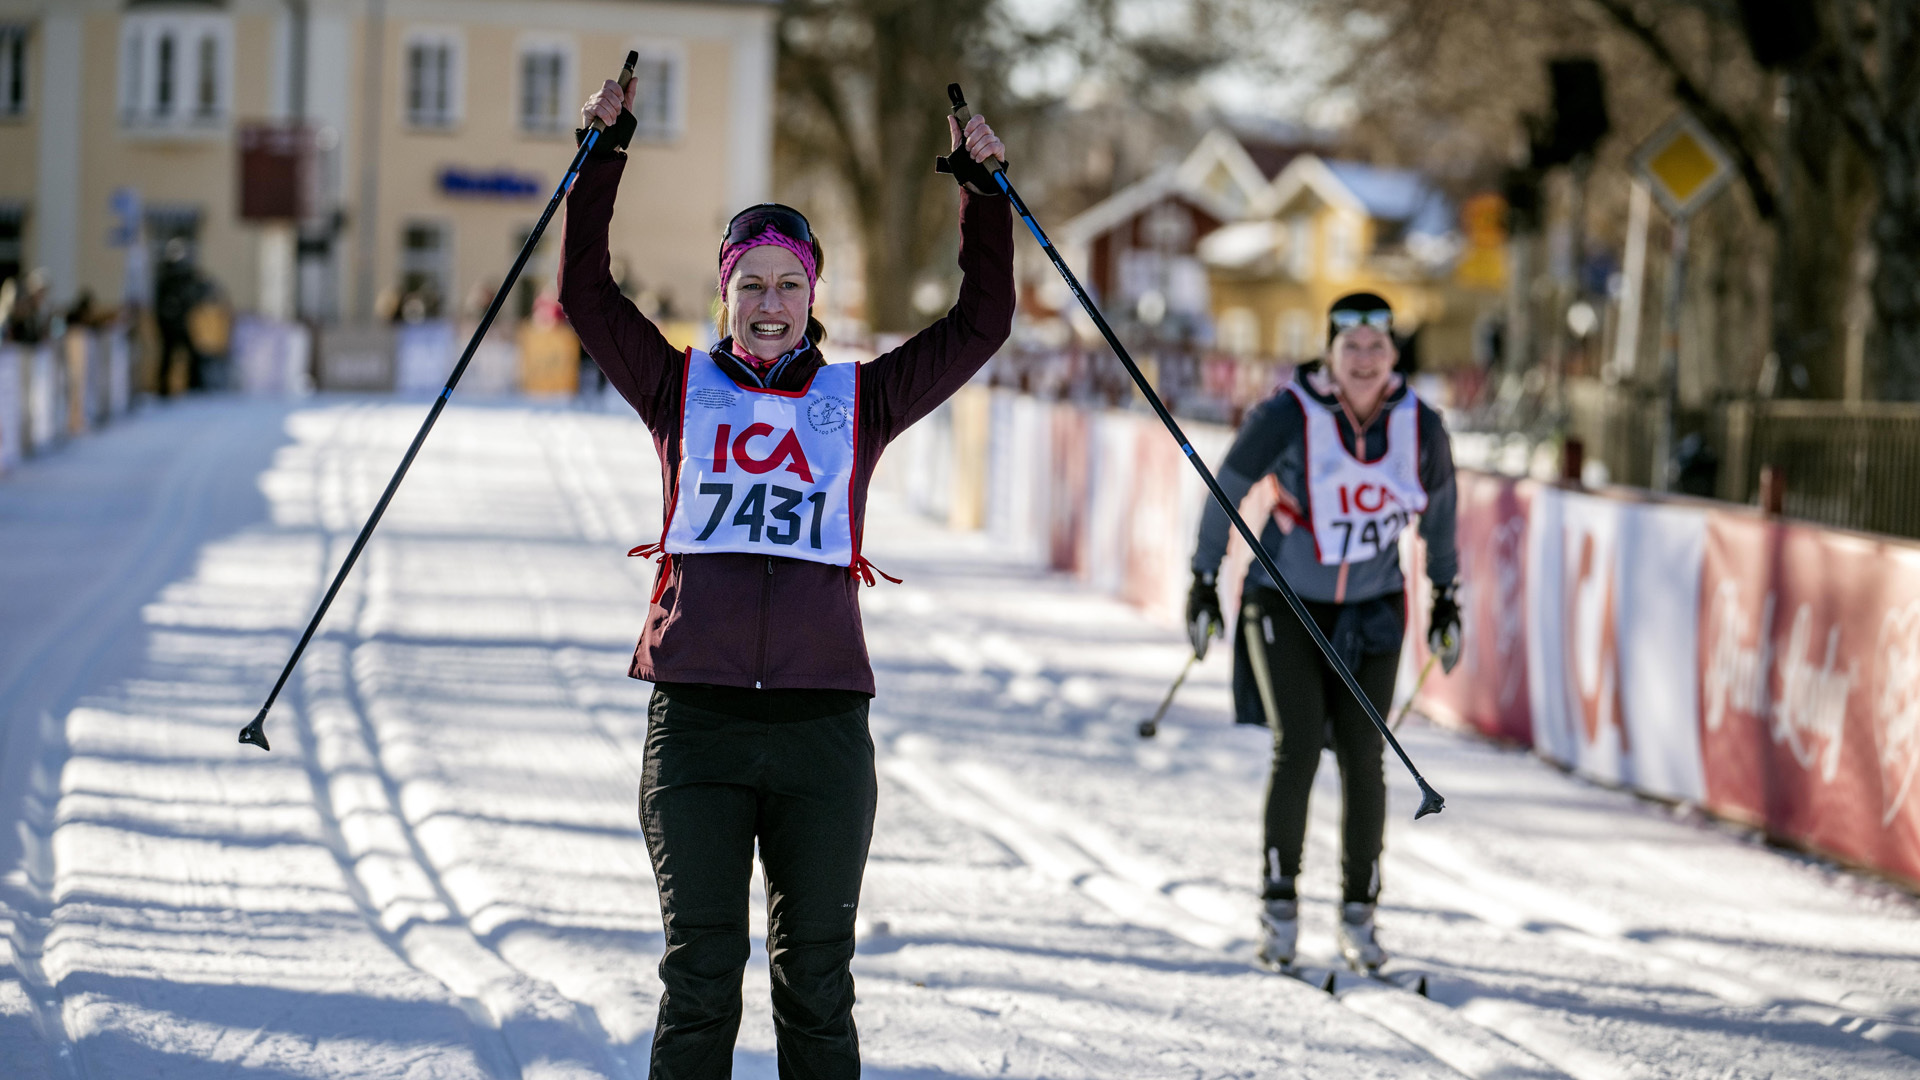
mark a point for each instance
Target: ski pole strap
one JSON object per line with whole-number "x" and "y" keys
{"x": 965, "y": 170}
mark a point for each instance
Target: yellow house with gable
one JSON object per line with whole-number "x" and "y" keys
{"x": 1324, "y": 228}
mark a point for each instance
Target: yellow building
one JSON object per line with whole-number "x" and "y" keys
{"x": 435, "y": 131}
{"x": 1325, "y": 228}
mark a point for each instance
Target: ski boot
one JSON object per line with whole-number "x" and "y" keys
{"x": 1279, "y": 928}
{"x": 1358, "y": 947}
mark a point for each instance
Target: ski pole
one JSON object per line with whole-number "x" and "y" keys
{"x": 1150, "y": 728}
{"x": 256, "y": 732}
{"x": 1430, "y": 800}
{"x": 1426, "y": 669}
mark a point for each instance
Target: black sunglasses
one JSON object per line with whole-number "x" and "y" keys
{"x": 1348, "y": 318}
{"x": 754, "y": 220}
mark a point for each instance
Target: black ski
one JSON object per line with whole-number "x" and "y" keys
{"x": 1329, "y": 980}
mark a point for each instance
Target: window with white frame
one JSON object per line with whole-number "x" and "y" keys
{"x": 433, "y": 79}
{"x": 426, "y": 268}
{"x": 1343, "y": 245}
{"x": 1300, "y": 247}
{"x": 1295, "y": 334}
{"x": 13, "y": 70}
{"x": 175, "y": 71}
{"x": 546, "y": 88}
{"x": 658, "y": 91}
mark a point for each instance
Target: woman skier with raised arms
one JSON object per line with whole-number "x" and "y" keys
{"x": 757, "y": 729}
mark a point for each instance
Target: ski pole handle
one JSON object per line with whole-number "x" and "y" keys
{"x": 626, "y": 76}
{"x": 964, "y": 114}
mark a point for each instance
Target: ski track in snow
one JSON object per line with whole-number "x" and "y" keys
{"x": 438, "y": 872}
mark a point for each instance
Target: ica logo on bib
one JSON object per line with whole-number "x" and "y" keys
{"x": 766, "y": 471}
{"x": 1359, "y": 508}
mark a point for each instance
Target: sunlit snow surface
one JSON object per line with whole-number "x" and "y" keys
{"x": 437, "y": 871}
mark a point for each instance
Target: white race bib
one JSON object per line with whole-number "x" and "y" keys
{"x": 1359, "y": 508}
{"x": 766, "y": 472}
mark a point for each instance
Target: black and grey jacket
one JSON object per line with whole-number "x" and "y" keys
{"x": 1272, "y": 440}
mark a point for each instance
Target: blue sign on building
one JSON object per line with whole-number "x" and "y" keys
{"x": 487, "y": 183}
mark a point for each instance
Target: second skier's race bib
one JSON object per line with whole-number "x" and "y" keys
{"x": 1359, "y": 508}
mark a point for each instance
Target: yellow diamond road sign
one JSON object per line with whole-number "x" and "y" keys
{"x": 1683, "y": 165}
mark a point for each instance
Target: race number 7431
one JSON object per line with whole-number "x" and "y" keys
{"x": 779, "y": 523}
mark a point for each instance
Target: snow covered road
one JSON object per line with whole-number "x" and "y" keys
{"x": 437, "y": 872}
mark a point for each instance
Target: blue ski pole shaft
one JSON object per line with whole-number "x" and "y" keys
{"x": 1430, "y": 800}
{"x": 255, "y": 733}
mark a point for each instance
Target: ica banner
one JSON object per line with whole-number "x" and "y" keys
{"x": 1613, "y": 592}
{"x": 1810, "y": 687}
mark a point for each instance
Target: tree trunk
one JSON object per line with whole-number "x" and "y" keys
{"x": 866, "y": 97}
{"x": 1896, "y": 221}
{"x": 901, "y": 223}
{"x": 1825, "y": 200}
{"x": 1896, "y": 277}
{"x": 887, "y": 239}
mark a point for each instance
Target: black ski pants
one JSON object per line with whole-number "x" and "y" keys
{"x": 1306, "y": 703}
{"x": 713, "y": 784}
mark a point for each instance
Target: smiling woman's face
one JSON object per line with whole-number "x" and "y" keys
{"x": 1361, "y": 363}
{"x": 767, "y": 301}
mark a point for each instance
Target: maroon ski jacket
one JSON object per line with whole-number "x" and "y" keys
{"x": 751, "y": 620}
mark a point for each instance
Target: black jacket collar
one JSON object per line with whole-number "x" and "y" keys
{"x": 790, "y": 373}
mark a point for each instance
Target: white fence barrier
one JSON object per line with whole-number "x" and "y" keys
{"x": 55, "y": 391}
{"x": 13, "y": 408}
{"x": 423, "y": 357}
{"x": 46, "y": 399}
{"x": 272, "y": 358}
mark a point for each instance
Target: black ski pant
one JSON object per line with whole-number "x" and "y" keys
{"x": 1306, "y": 703}
{"x": 174, "y": 340}
{"x": 713, "y": 784}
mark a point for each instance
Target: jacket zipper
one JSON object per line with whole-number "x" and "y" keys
{"x": 766, "y": 626}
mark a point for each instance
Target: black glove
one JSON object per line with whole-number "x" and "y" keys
{"x": 1204, "y": 622}
{"x": 1443, "y": 627}
{"x": 973, "y": 175}
{"x": 613, "y": 141}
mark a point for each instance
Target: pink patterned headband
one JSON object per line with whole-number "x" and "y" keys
{"x": 771, "y": 235}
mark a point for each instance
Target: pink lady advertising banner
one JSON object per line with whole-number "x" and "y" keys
{"x": 1810, "y": 687}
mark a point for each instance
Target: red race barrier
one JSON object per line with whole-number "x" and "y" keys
{"x": 1810, "y": 688}
{"x": 1067, "y": 510}
{"x": 1488, "y": 691}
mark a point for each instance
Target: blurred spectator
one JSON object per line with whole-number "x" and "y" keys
{"x": 85, "y": 313}
{"x": 1697, "y": 466}
{"x": 29, "y": 317}
{"x": 181, "y": 299}
{"x": 418, "y": 304}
